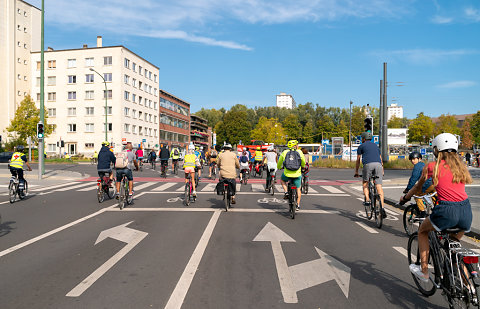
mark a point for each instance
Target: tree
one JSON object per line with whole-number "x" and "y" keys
{"x": 308, "y": 133}
{"x": 467, "y": 137}
{"x": 358, "y": 117}
{"x": 292, "y": 127}
{"x": 325, "y": 127}
{"x": 420, "y": 129}
{"x": 475, "y": 127}
{"x": 269, "y": 131}
{"x": 24, "y": 124}
{"x": 396, "y": 123}
{"x": 446, "y": 124}
{"x": 233, "y": 128}
{"x": 213, "y": 116}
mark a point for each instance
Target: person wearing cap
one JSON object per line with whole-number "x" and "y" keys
{"x": 449, "y": 175}
{"x": 369, "y": 153}
{"x": 427, "y": 188}
{"x": 16, "y": 163}
{"x": 228, "y": 164}
{"x": 292, "y": 169}
{"x": 105, "y": 159}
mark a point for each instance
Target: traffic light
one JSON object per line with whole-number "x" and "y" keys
{"x": 368, "y": 124}
{"x": 40, "y": 132}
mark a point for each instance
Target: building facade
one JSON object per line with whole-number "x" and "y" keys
{"x": 286, "y": 100}
{"x": 199, "y": 131}
{"x": 19, "y": 35}
{"x": 174, "y": 123}
{"x": 75, "y": 98}
{"x": 394, "y": 110}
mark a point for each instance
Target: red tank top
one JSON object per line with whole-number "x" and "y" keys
{"x": 446, "y": 189}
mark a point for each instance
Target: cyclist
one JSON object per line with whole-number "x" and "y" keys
{"x": 190, "y": 161}
{"x": 95, "y": 156}
{"x": 105, "y": 159}
{"x": 369, "y": 153}
{"x": 16, "y": 164}
{"x": 292, "y": 160}
{"x": 164, "y": 156}
{"x": 175, "y": 155}
{"x": 244, "y": 162}
{"x": 152, "y": 156}
{"x": 139, "y": 154}
{"x": 258, "y": 159}
{"x": 449, "y": 176}
{"x": 212, "y": 160}
{"x": 270, "y": 160}
{"x": 198, "y": 155}
{"x": 129, "y": 158}
{"x": 427, "y": 188}
{"x": 228, "y": 164}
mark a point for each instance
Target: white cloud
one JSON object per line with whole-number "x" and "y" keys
{"x": 458, "y": 84}
{"x": 473, "y": 14}
{"x": 441, "y": 20}
{"x": 423, "y": 56}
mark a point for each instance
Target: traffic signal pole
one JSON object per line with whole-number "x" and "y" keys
{"x": 384, "y": 149}
{"x": 41, "y": 166}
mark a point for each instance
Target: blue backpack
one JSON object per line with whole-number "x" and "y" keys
{"x": 244, "y": 159}
{"x": 293, "y": 160}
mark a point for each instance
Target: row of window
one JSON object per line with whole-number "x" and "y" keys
{"x": 172, "y": 136}
{"x": 72, "y": 63}
{"x": 173, "y": 107}
{"x": 140, "y": 101}
{"x": 72, "y": 95}
{"x": 19, "y": 28}
{"x": 89, "y": 127}
{"x": 141, "y": 71}
{"x": 127, "y": 128}
{"x": 140, "y": 115}
{"x": 72, "y": 111}
{"x": 20, "y": 61}
{"x": 19, "y": 44}
{"x": 147, "y": 88}
{"x": 175, "y": 122}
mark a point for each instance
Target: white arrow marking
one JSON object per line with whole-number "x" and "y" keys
{"x": 305, "y": 275}
{"x": 121, "y": 233}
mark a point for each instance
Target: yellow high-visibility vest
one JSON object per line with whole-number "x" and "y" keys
{"x": 16, "y": 160}
{"x": 189, "y": 160}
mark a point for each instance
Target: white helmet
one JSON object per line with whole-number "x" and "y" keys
{"x": 270, "y": 148}
{"x": 191, "y": 147}
{"x": 445, "y": 142}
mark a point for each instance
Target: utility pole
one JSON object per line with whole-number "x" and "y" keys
{"x": 41, "y": 166}
{"x": 350, "y": 132}
{"x": 380, "y": 125}
{"x": 384, "y": 126}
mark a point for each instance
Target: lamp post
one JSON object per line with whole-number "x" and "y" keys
{"x": 350, "y": 132}
{"x": 106, "y": 106}
{"x": 41, "y": 145}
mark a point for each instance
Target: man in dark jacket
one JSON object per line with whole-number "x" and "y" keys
{"x": 164, "y": 156}
{"x": 427, "y": 188}
{"x": 105, "y": 158}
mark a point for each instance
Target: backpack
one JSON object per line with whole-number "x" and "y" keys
{"x": 244, "y": 159}
{"x": 213, "y": 154}
{"x": 175, "y": 152}
{"x": 292, "y": 161}
{"x": 121, "y": 160}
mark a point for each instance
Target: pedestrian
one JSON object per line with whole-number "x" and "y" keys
{"x": 468, "y": 157}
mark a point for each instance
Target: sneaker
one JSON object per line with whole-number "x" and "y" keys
{"x": 384, "y": 214}
{"x": 417, "y": 271}
{"x": 194, "y": 193}
{"x": 298, "y": 207}
{"x": 233, "y": 200}
{"x": 117, "y": 196}
{"x": 285, "y": 196}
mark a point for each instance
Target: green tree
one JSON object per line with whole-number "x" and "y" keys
{"x": 396, "y": 123}
{"x": 446, "y": 124}
{"x": 213, "y": 116}
{"x": 308, "y": 133}
{"x": 420, "y": 129}
{"x": 358, "y": 120}
{"x": 233, "y": 128}
{"x": 292, "y": 127}
{"x": 269, "y": 131}
{"x": 467, "y": 137}
{"x": 24, "y": 124}
{"x": 475, "y": 127}
{"x": 325, "y": 127}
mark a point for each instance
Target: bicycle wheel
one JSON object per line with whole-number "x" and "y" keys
{"x": 413, "y": 256}
{"x": 378, "y": 213}
{"x": 23, "y": 193}
{"x": 100, "y": 193}
{"x": 293, "y": 203}
{"x": 226, "y": 201}
{"x": 471, "y": 289}
{"x": 272, "y": 188}
{"x": 186, "y": 194}
{"x": 112, "y": 189}
{"x": 12, "y": 192}
{"x": 121, "y": 197}
{"x": 410, "y": 219}
{"x": 368, "y": 209}
{"x": 306, "y": 185}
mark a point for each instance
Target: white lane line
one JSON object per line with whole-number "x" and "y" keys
{"x": 209, "y": 188}
{"x": 368, "y": 229}
{"x": 143, "y": 186}
{"x": 53, "y": 187}
{"x": 391, "y": 212}
{"x": 360, "y": 199}
{"x": 247, "y": 210}
{"x": 245, "y": 193}
{"x": 181, "y": 289}
{"x": 164, "y": 187}
{"x": 279, "y": 188}
{"x": 238, "y": 187}
{"x": 87, "y": 189}
{"x": 332, "y": 189}
{"x": 257, "y": 187}
{"x": 59, "y": 229}
{"x": 393, "y": 187}
{"x": 74, "y": 187}
{"x": 358, "y": 188}
{"x": 4, "y": 202}
{"x": 313, "y": 191}
{"x": 401, "y": 250}
{"x": 164, "y": 209}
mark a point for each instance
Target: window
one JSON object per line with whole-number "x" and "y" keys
{"x": 140, "y": 85}
{"x": 150, "y": 75}
{"x": 145, "y": 88}
{"x": 89, "y": 111}
{"x": 150, "y": 103}
{"x": 140, "y": 69}
{"x": 38, "y": 96}
{"x": 39, "y": 65}
{"x": 89, "y": 95}
{"x": 155, "y": 105}
{"x": 52, "y": 81}
{"x": 53, "y": 127}
{"x": 134, "y": 97}
{"x": 145, "y": 117}
{"x": 89, "y": 62}
{"x": 134, "y": 129}
{"x": 140, "y": 100}
{"x": 72, "y": 127}
{"x": 126, "y": 128}
{"x": 146, "y": 73}
{"x": 89, "y": 145}
{"x": 19, "y": 28}
{"x": 134, "y": 67}
{"x": 109, "y": 110}
{"x": 149, "y": 118}
{"x": 19, "y": 11}
{"x": 155, "y": 132}
{"x": 155, "y": 91}
{"x": 126, "y": 111}
{"x": 19, "y": 60}
{"x": 127, "y": 96}
{"x": 109, "y": 127}
{"x": 89, "y": 78}
{"x": 126, "y": 79}
{"x": 107, "y": 60}
{"x": 72, "y": 79}
{"x": 25, "y": 46}
{"x": 25, "y": 30}
{"x": 72, "y": 95}
{"x": 108, "y": 94}
{"x": 127, "y": 63}
{"x": 52, "y": 64}
{"x": 154, "y": 119}
{"x": 19, "y": 76}
{"x": 72, "y": 63}
{"x": 52, "y": 148}
{"x": 150, "y": 132}
{"x": 38, "y": 82}
{"x": 134, "y": 82}
{"x": 108, "y": 77}
{"x": 140, "y": 115}
{"x": 52, "y": 96}
{"x": 25, "y": 62}
{"x": 140, "y": 130}
{"x": 134, "y": 113}
{"x": 52, "y": 112}
{"x": 155, "y": 77}
{"x": 89, "y": 127}
{"x": 72, "y": 111}
{"x": 150, "y": 89}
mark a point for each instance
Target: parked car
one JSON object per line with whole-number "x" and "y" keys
{"x": 5, "y": 156}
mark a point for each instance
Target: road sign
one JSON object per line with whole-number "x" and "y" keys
{"x": 325, "y": 142}
{"x": 124, "y": 139}
{"x": 305, "y": 275}
{"x": 144, "y": 140}
{"x": 423, "y": 151}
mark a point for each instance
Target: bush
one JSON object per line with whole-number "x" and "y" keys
{"x": 337, "y": 163}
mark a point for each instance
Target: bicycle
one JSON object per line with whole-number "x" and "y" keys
{"x": 188, "y": 193}
{"x": 451, "y": 268}
{"x": 214, "y": 170}
{"x": 175, "y": 167}
{"x": 105, "y": 186}
{"x": 411, "y": 215}
{"x": 373, "y": 208}
{"x": 164, "y": 164}
{"x": 15, "y": 189}
{"x": 154, "y": 163}
{"x": 124, "y": 198}
{"x": 227, "y": 195}
{"x": 292, "y": 198}
{"x": 305, "y": 177}
{"x": 93, "y": 161}
{"x": 140, "y": 164}
{"x": 197, "y": 178}
{"x": 271, "y": 177}
{"x": 245, "y": 174}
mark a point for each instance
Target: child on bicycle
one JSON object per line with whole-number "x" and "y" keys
{"x": 449, "y": 176}
{"x": 427, "y": 188}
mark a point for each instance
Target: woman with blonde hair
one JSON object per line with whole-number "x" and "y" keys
{"x": 449, "y": 176}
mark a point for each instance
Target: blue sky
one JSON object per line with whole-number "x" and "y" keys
{"x": 217, "y": 53}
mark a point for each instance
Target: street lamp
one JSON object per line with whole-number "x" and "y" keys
{"x": 350, "y": 132}
{"x": 106, "y": 107}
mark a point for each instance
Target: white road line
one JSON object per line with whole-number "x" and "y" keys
{"x": 279, "y": 188}
{"x": 238, "y": 187}
{"x": 87, "y": 189}
{"x": 358, "y": 188}
{"x": 332, "y": 189}
{"x": 245, "y": 193}
{"x": 393, "y": 187}
{"x": 59, "y": 229}
{"x": 360, "y": 199}
{"x": 4, "y": 202}
{"x": 53, "y": 187}
{"x": 257, "y": 187}
{"x": 74, "y": 187}
{"x": 143, "y": 186}
{"x": 401, "y": 250}
{"x": 164, "y": 187}
{"x": 247, "y": 210}
{"x": 164, "y": 209}
{"x": 181, "y": 289}
{"x": 313, "y": 191}
{"x": 368, "y": 229}
{"x": 391, "y": 212}
{"x": 209, "y": 188}
{"x": 182, "y": 188}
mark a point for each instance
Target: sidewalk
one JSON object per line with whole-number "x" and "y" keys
{"x": 393, "y": 190}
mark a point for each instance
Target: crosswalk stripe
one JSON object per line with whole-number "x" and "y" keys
{"x": 164, "y": 187}
{"x": 279, "y": 188}
{"x": 368, "y": 229}
{"x": 210, "y": 187}
{"x": 74, "y": 187}
{"x": 181, "y": 189}
{"x": 332, "y": 189}
{"x": 256, "y": 187}
{"x": 238, "y": 187}
{"x": 312, "y": 190}
{"x": 143, "y": 186}
{"x": 52, "y": 187}
{"x": 87, "y": 189}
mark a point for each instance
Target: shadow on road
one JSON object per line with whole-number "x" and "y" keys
{"x": 6, "y": 227}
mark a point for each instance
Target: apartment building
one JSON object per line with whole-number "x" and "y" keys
{"x": 174, "y": 120}
{"x": 200, "y": 133}
{"x": 75, "y": 98}
{"x": 286, "y": 100}
{"x": 19, "y": 35}
{"x": 394, "y": 110}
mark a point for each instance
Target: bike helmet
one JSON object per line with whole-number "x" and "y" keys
{"x": 367, "y": 136}
{"x": 227, "y": 146}
{"x": 270, "y": 148}
{"x": 415, "y": 155}
{"x": 105, "y": 143}
{"x": 292, "y": 143}
{"x": 191, "y": 147}
{"x": 197, "y": 148}
{"x": 259, "y": 148}
{"x": 20, "y": 148}
{"x": 445, "y": 142}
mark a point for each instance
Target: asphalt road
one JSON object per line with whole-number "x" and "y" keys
{"x": 60, "y": 248}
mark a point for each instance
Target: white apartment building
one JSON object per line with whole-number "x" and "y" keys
{"x": 19, "y": 35}
{"x": 285, "y": 100}
{"x": 394, "y": 110}
{"x": 75, "y": 98}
